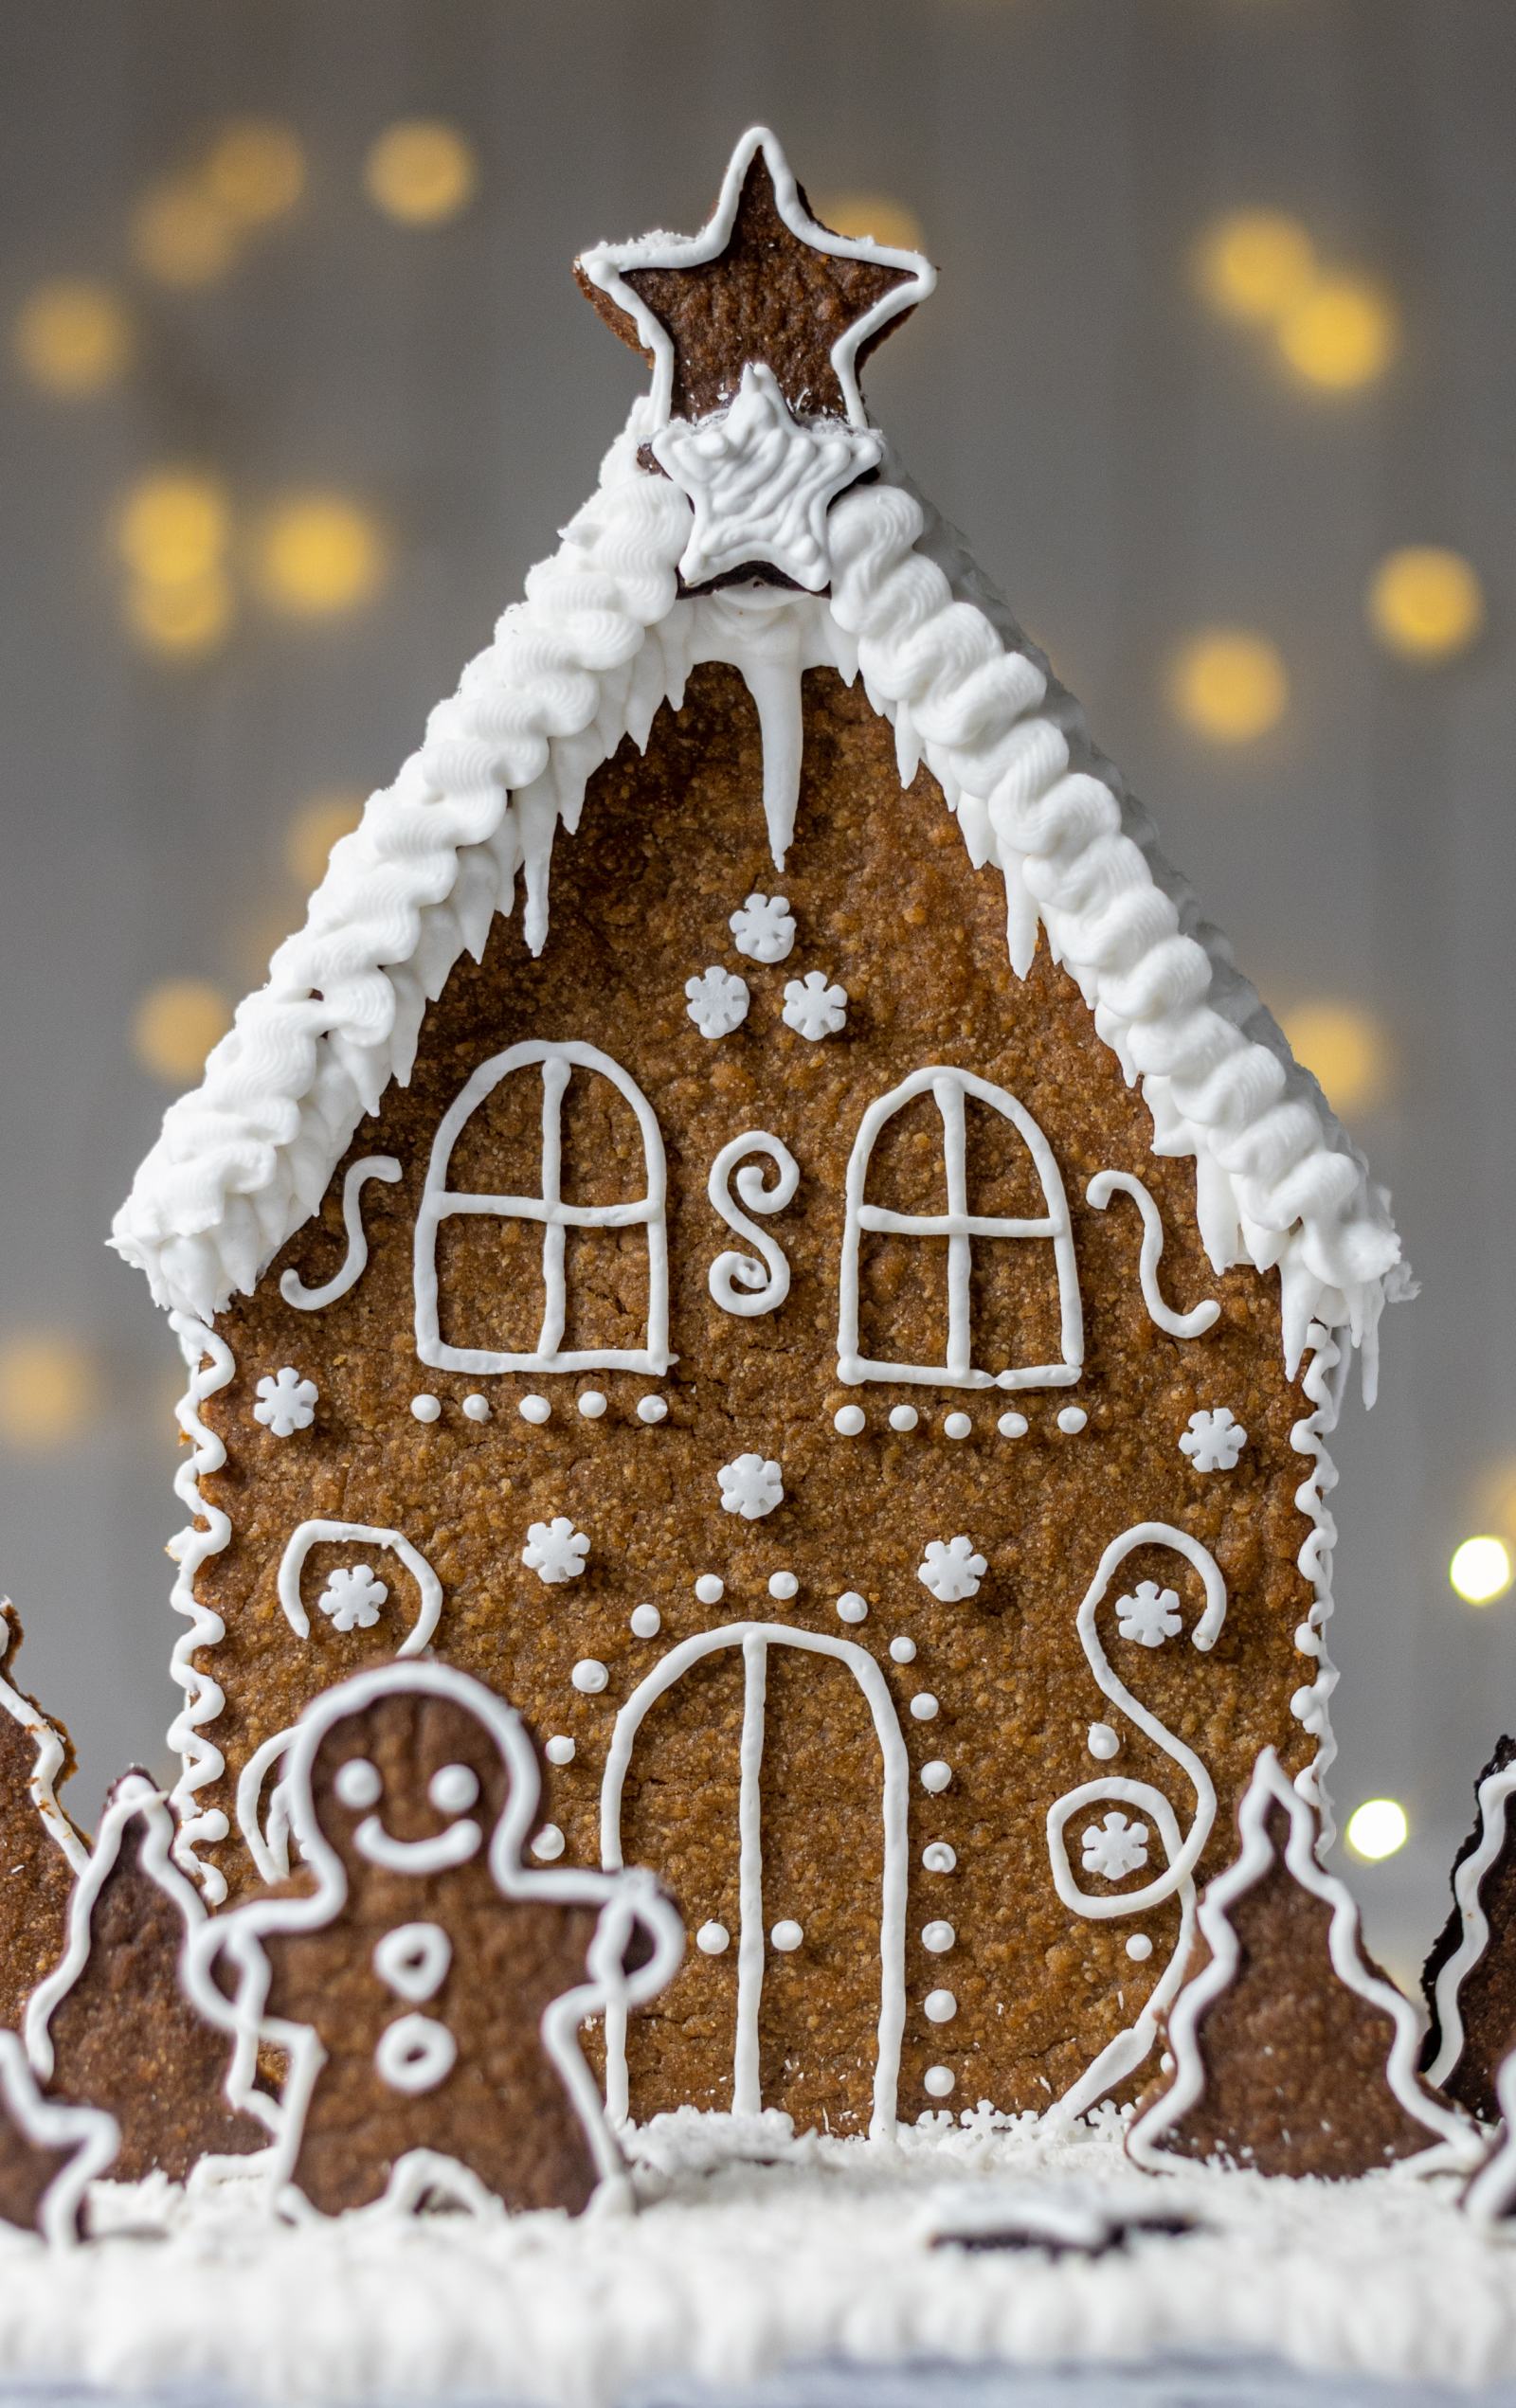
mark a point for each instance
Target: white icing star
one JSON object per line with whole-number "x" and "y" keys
{"x": 556, "y": 1549}
{"x": 812, "y": 1008}
{"x": 1149, "y": 1617}
{"x": 750, "y": 1487}
{"x": 953, "y": 1570}
{"x": 717, "y": 1001}
{"x": 1115, "y": 1847}
{"x": 1213, "y": 1441}
{"x": 352, "y": 1598}
{"x": 761, "y": 482}
{"x": 285, "y": 1402}
{"x": 764, "y": 929}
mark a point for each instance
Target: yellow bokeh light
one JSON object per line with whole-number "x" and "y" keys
{"x": 1343, "y": 333}
{"x": 1228, "y": 685}
{"x": 171, "y": 526}
{"x": 1426, "y": 602}
{"x": 1376, "y": 1829}
{"x": 177, "y": 1024}
{"x": 181, "y": 235}
{"x": 73, "y": 337}
{"x": 254, "y": 170}
{"x": 315, "y": 829}
{"x": 1254, "y": 264}
{"x": 420, "y": 171}
{"x": 49, "y": 1388}
{"x": 1481, "y": 1570}
{"x": 184, "y": 620}
{"x": 1346, "y": 1048}
{"x": 318, "y": 554}
{"x": 872, "y": 214}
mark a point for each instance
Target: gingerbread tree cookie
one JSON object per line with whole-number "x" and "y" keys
{"x": 1470, "y": 1976}
{"x": 1293, "y": 2053}
{"x": 40, "y": 1849}
{"x": 428, "y": 1994}
{"x": 49, "y": 2153}
{"x": 111, "y": 2025}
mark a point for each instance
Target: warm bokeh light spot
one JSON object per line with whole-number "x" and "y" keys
{"x": 865, "y": 215}
{"x": 1481, "y": 1570}
{"x": 1229, "y": 684}
{"x": 49, "y": 1388}
{"x": 1426, "y": 602}
{"x": 420, "y": 171}
{"x": 177, "y": 1024}
{"x": 1347, "y": 1048}
{"x": 181, "y": 622}
{"x": 315, "y": 829}
{"x": 1497, "y": 1498}
{"x": 1343, "y": 333}
{"x": 1376, "y": 1829}
{"x": 181, "y": 235}
{"x": 318, "y": 554}
{"x": 254, "y": 170}
{"x": 173, "y": 525}
{"x": 1254, "y": 264}
{"x": 73, "y": 337}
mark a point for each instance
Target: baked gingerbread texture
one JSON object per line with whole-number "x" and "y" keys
{"x": 40, "y": 1847}
{"x": 426, "y": 1992}
{"x": 1293, "y": 2052}
{"x": 48, "y": 2153}
{"x": 111, "y": 2026}
{"x": 758, "y": 1220}
{"x": 1469, "y": 1975}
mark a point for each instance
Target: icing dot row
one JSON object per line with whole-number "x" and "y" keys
{"x": 536, "y": 1410}
{"x": 850, "y": 1421}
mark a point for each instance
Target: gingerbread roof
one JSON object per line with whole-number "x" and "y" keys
{"x": 608, "y": 630}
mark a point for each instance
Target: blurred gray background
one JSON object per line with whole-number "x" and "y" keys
{"x": 297, "y": 387}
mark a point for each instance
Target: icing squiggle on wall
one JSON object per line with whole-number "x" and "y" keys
{"x": 1202, "y": 1316}
{"x": 209, "y": 1531}
{"x": 737, "y": 1284}
{"x": 1323, "y": 1378}
{"x": 310, "y": 1300}
{"x": 359, "y": 1534}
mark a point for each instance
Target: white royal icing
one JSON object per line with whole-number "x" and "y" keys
{"x": 413, "y": 1960}
{"x": 49, "y": 1754}
{"x": 1192, "y": 1324}
{"x": 764, "y": 929}
{"x": 717, "y": 1002}
{"x": 953, "y": 1569}
{"x": 1495, "y": 1794}
{"x": 93, "y": 2137}
{"x": 815, "y": 1007}
{"x": 761, "y": 482}
{"x": 360, "y": 1533}
{"x": 738, "y": 1284}
{"x": 750, "y": 1485}
{"x": 1214, "y": 1440}
{"x": 555, "y": 1551}
{"x": 310, "y": 1300}
{"x": 285, "y": 1402}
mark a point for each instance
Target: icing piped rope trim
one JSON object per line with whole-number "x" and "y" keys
{"x": 209, "y": 1530}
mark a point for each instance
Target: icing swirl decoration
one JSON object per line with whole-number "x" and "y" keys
{"x": 738, "y": 1284}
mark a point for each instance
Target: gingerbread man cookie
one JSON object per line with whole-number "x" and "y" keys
{"x": 428, "y": 1991}
{"x": 49, "y": 2154}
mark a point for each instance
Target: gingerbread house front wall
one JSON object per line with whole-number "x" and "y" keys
{"x": 925, "y": 1665}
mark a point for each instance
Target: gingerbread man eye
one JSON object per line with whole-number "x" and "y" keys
{"x": 358, "y": 1783}
{"x": 453, "y": 1788}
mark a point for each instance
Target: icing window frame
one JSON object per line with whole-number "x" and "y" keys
{"x": 949, "y": 1086}
{"x": 557, "y": 1061}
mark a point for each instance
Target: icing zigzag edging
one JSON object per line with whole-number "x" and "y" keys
{"x": 211, "y": 1366}
{"x": 1323, "y": 1378}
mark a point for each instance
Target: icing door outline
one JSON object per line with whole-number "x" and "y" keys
{"x": 960, "y": 1227}
{"x": 755, "y": 1639}
{"x": 438, "y": 1203}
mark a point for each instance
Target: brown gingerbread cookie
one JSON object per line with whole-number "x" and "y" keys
{"x": 48, "y": 2152}
{"x": 1293, "y": 2053}
{"x": 41, "y": 1850}
{"x": 1470, "y": 1976}
{"x": 111, "y": 2025}
{"x": 428, "y": 1991}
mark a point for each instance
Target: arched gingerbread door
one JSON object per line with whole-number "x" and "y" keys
{"x": 753, "y": 1939}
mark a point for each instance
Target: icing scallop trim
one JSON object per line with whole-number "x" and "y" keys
{"x": 211, "y": 1367}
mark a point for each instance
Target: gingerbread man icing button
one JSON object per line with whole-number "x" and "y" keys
{"x": 428, "y": 1991}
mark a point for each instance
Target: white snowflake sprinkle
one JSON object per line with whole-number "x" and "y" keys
{"x": 750, "y": 1487}
{"x": 1115, "y": 1847}
{"x": 285, "y": 1402}
{"x": 1149, "y": 1617}
{"x": 764, "y": 929}
{"x": 718, "y": 1001}
{"x": 352, "y": 1598}
{"x": 1213, "y": 1441}
{"x": 953, "y": 1570}
{"x": 556, "y": 1549}
{"x": 812, "y": 1008}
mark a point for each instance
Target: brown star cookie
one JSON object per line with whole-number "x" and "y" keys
{"x": 41, "y": 1851}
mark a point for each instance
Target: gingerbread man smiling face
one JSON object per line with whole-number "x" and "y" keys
{"x": 429, "y": 1992}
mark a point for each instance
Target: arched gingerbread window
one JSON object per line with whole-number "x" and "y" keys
{"x": 964, "y": 1230}
{"x": 557, "y": 1064}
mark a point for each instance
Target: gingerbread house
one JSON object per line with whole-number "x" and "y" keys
{"x": 757, "y": 1218}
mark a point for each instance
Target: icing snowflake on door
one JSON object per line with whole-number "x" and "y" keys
{"x": 813, "y": 1009}
{"x": 953, "y": 1570}
{"x": 718, "y": 1001}
{"x": 352, "y": 1597}
{"x": 555, "y": 1551}
{"x": 764, "y": 929}
{"x": 1149, "y": 1617}
{"x": 750, "y": 1487}
{"x": 1114, "y": 1847}
{"x": 285, "y": 1402}
{"x": 1214, "y": 1440}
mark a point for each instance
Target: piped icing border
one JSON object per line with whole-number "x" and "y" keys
{"x": 600, "y": 641}
{"x": 1496, "y": 1790}
{"x": 49, "y": 1748}
{"x": 211, "y": 1366}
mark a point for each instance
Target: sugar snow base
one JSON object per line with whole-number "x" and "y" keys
{"x": 755, "y": 2253}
